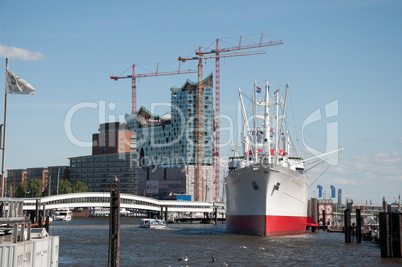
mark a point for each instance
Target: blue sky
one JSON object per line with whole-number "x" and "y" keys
{"x": 344, "y": 51}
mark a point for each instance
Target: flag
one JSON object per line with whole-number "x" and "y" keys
{"x": 16, "y": 85}
{"x": 332, "y": 191}
{"x": 319, "y": 191}
{"x": 258, "y": 89}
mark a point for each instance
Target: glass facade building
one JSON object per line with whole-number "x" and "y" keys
{"x": 170, "y": 139}
{"x": 167, "y": 144}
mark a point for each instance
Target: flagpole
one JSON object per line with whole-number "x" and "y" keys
{"x": 4, "y": 134}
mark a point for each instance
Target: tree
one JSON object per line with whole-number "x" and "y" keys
{"x": 65, "y": 187}
{"x": 79, "y": 187}
{"x": 21, "y": 190}
{"x": 35, "y": 186}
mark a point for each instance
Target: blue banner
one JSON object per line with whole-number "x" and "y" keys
{"x": 332, "y": 191}
{"x": 319, "y": 190}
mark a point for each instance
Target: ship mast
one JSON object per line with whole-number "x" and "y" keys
{"x": 277, "y": 138}
{"x": 255, "y": 123}
{"x": 246, "y": 140}
{"x": 267, "y": 126}
{"x": 284, "y": 109}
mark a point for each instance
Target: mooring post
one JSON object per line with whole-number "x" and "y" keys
{"x": 44, "y": 212}
{"x": 216, "y": 215}
{"x": 37, "y": 210}
{"x": 29, "y": 231}
{"x": 23, "y": 232}
{"x": 32, "y": 216}
{"x": 47, "y": 224}
{"x": 323, "y": 220}
{"x": 166, "y": 214}
{"x": 385, "y": 235}
{"x": 314, "y": 213}
{"x": 396, "y": 234}
{"x": 40, "y": 219}
{"x": 114, "y": 225}
{"x": 347, "y": 224}
{"x": 358, "y": 227}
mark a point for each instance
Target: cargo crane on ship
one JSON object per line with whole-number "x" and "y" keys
{"x": 217, "y": 51}
{"x": 134, "y": 76}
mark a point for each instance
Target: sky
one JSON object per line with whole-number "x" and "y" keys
{"x": 342, "y": 60}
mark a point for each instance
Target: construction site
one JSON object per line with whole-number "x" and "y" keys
{"x": 179, "y": 152}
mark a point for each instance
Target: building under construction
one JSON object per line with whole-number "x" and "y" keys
{"x": 167, "y": 145}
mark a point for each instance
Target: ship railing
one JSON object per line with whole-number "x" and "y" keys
{"x": 11, "y": 210}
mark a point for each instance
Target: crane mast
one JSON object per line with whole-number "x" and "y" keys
{"x": 199, "y": 179}
{"x": 217, "y": 52}
{"x": 134, "y": 76}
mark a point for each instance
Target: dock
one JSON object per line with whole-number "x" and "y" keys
{"x": 19, "y": 244}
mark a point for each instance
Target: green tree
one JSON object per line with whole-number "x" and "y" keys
{"x": 22, "y": 190}
{"x": 65, "y": 187}
{"x": 35, "y": 187}
{"x": 79, "y": 187}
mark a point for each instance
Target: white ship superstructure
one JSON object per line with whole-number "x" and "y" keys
{"x": 266, "y": 189}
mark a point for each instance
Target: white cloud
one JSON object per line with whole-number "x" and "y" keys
{"x": 342, "y": 181}
{"x": 19, "y": 53}
{"x": 370, "y": 176}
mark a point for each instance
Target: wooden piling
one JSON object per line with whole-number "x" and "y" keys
{"x": 396, "y": 233}
{"x": 323, "y": 220}
{"x": 37, "y": 210}
{"x": 390, "y": 234}
{"x": 47, "y": 222}
{"x": 347, "y": 226}
{"x": 358, "y": 227}
{"x": 40, "y": 219}
{"x": 314, "y": 212}
{"x": 385, "y": 235}
{"x": 114, "y": 225}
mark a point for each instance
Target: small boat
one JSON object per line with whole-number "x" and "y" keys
{"x": 62, "y": 215}
{"x": 153, "y": 223}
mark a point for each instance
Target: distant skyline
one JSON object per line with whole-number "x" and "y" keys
{"x": 342, "y": 60}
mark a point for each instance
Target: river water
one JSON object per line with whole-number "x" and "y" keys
{"x": 84, "y": 242}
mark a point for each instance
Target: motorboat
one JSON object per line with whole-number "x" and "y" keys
{"x": 153, "y": 223}
{"x": 62, "y": 215}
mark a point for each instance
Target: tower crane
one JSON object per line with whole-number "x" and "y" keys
{"x": 152, "y": 74}
{"x": 200, "y": 56}
{"x": 217, "y": 52}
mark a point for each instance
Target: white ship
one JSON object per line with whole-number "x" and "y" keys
{"x": 266, "y": 189}
{"x": 62, "y": 215}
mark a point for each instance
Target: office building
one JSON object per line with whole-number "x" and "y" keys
{"x": 114, "y": 154}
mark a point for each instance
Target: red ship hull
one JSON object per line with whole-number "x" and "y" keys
{"x": 266, "y": 225}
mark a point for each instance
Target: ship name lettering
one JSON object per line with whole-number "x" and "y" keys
{"x": 297, "y": 183}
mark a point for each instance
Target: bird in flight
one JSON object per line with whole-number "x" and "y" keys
{"x": 213, "y": 258}
{"x": 185, "y": 258}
